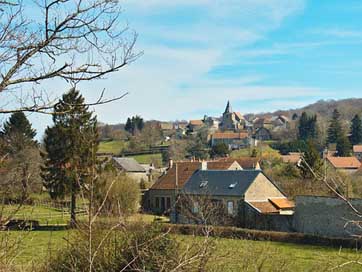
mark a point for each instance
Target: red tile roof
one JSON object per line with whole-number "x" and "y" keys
{"x": 196, "y": 122}
{"x": 263, "y": 206}
{"x": 230, "y": 135}
{"x": 291, "y": 158}
{"x": 282, "y": 203}
{"x": 344, "y": 162}
{"x": 357, "y": 148}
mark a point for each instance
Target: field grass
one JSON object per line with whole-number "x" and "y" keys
{"x": 112, "y": 147}
{"x": 148, "y": 158}
{"x": 45, "y": 215}
{"x": 229, "y": 255}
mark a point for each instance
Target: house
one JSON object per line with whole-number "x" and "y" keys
{"x": 230, "y": 120}
{"x": 265, "y": 122}
{"x": 344, "y": 164}
{"x": 262, "y": 134}
{"x": 234, "y": 140}
{"x": 280, "y": 122}
{"x": 131, "y": 167}
{"x": 292, "y": 157}
{"x": 163, "y": 193}
{"x": 237, "y": 197}
{"x": 195, "y": 125}
{"x": 212, "y": 123}
{"x": 357, "y": 152}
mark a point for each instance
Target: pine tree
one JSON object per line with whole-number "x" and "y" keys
{"x": 343, "y": 146}
{"x": 356, "y": 130}
{"x": 307, "y": 128}
{"x": 70, "y": 145}
{"x": 17, "y": 133}
{"x": 335, "y": 128}
{"x": 128, "y": 127}
{"x": 311, "y": 160}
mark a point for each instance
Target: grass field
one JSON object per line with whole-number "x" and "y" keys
{"x": 112, "y": 147}
{"x": 230, "y": 255}
{"x": 45, "y": 215}
{"x": 148, "y": 158}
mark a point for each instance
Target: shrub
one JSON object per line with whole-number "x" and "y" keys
{"x": 121, "y": 194}
{"x": 138, "y": 247}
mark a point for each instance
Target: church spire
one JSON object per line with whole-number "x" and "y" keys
{"x": 228, "y": 108}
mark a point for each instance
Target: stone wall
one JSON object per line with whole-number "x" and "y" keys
{"x": 326, "y": 216}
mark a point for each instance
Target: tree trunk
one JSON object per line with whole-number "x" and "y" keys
{"x": 73, "y": 221}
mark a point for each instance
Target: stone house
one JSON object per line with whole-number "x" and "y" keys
{"x": 234, "y": 140}
{"x": 131, "y": 167}
{"x": 357, "y": 152}
{"x": 265, "y": 122}
{"x": 347, "y": 165}
{"x": 262, "y": 134}
{"x": 161, "y": 197}
{"x": 195, "y": 125}
{"x": 242, "y": 197}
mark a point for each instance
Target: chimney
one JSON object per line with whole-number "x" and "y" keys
{"x": 204, "y": 165}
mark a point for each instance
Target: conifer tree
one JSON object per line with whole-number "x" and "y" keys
{"x": 343, "y": 146}
{"x": 17, "y": 133}
{"x": 70, "y": 145}
{"x": 335, "y": 128}
{"x": 311, "y": 159}
{"x": 307, "y": 128}
{"x": 356, "y": 130}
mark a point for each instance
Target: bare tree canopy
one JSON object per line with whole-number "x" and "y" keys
{"x": 74, "y": 40}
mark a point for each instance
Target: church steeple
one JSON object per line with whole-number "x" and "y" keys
{"x": 228, "y": 108}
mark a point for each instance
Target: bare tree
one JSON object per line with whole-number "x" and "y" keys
{"x": 73, "y": 40}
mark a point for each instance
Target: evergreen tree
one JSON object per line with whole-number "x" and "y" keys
{"x": 307, "y": 128}
{"x": 356, "y": 130}
{"x": 343, "y": 146}
{"x": 128, "y": 127}
{"x": 70, "y": 144}
{"x": 17, "y": 133}
{"x": 335, "y": 128}
{"x": 311, "y": 159}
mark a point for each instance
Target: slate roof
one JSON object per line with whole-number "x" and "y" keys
{"x": 220, "y": 182}
{"x": 184, "y": 172}
{"x": 128, "y": 164}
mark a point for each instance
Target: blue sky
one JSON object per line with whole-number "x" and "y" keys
{"x": 262, "y": 55}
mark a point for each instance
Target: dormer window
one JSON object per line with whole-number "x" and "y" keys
{"x": 203, "y": 184}
{"x": 232, "y": 185}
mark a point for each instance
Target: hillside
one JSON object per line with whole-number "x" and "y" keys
{"x": 324, "y": 108}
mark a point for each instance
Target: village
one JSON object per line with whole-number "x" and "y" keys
{"x": 240, "y": 192}
{"x": 174, "y": 136}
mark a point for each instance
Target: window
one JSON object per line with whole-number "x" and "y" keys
{"x": 195, "y": 208}
{"x": 163, "y": 204}
{"x": 157, "y": 202}
{"x": 230, "y": 207}
{"x": 168, "y": 203}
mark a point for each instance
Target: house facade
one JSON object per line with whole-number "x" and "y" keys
{"x": 239, "y": 197}
{"x": 161, "y": 197}
{"x": 234, "y": 140}
{"x": 131, "y": 167}
{"x": 357, "y": 152}
{"x": 348, "y": 165}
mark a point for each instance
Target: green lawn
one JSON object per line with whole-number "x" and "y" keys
{"x": 45, "y": 215}
{"x": 112, "y": 147}
{"x": 148, "y": 158}
{"x": 230, "y": 255}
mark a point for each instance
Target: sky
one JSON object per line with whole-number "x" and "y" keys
{"x": 262, "y": 55}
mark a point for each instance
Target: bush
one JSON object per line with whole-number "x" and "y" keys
{"x": 138, "y": 247}
{"x": 121, "y": 194}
